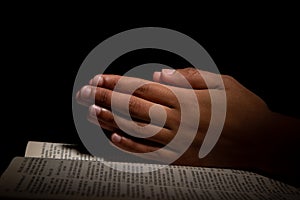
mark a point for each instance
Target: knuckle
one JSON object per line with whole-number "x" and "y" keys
{"x": 185, "y": 70}
{"x": 140, "y": 129}
{"x": 113, "y": 81}
{"x": 189, "y": 69}
{"x": 104, "y": 97}
{"x": 193, "y": 72}
{"x": 109, "y": 118}
{"x": 228, "y": 80}
{"x": 134, "y": 106}
{"x": 110, "y": 81}
{"x": 143, "y": 89}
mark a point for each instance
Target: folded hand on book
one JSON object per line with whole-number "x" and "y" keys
{"x": 253, "y": 137}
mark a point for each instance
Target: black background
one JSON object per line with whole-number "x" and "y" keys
{"x": 42, "y": 51}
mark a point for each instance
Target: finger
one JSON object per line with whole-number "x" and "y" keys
{"x": 84, "y": 96}
{"x": 197, "y": 79}
{"x": 163, "y": 136}
{"x": 138, "y": 108}
{"x": 102, "y": 115}
{"x": 101, "y": 124}
{"x": 137, "y": 87}
{"x": 130, "y": 146}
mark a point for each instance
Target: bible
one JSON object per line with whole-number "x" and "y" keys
{"x": 59, "y": 171}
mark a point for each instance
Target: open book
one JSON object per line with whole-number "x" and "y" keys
{"x": 59, "y": 171}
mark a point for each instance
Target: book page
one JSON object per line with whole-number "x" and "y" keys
{"x": 43, "y": 178}
{"x": 57, "y": 151}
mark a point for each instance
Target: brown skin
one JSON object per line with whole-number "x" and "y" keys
{"x": 253, "y": 137}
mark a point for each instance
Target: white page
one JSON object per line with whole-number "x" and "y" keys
{"x": 42, "y": 178}
{"x": 56, "y": 150}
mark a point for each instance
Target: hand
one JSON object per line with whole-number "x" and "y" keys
{"x": 248, "y": 140}
{"x": 160, "y": 95}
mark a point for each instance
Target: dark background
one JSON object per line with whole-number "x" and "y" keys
{"x": 42, "y": 51}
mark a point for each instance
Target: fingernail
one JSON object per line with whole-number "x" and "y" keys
{"x": 156, "y": 76}
{"x": 85, "y": 92}
{"x": 97, "y": 80}
{"x": 168, "y": 71}
{"x": 116, "y": 138}
{"x": 95, "y": 110}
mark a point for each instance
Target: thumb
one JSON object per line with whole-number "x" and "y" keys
{"x": 197, "y": 79}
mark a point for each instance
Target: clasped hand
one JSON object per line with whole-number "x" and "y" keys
{"x": 240, "y": 145}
